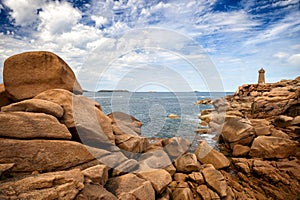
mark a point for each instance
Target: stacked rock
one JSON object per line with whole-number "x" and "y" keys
{"x": 57, "y": 144}
{"x": 260, "y": 130}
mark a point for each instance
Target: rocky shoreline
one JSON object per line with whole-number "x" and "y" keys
{"x": 57, "y": 144}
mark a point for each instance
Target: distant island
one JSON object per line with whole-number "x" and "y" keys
{"x": 113, "y": 91}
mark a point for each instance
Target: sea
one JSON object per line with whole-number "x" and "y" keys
{"x": 153, "y": 108}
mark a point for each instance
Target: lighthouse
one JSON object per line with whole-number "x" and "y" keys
{"x": 261, "y": 76}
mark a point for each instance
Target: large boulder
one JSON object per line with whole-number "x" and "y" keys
{"x": 272, "y": 147}
{"x": 91, "y": 191}
{"x": 182, "y": 194}
{"x": 130, "y": 143}
{"x": 130, "y": 186}
{"x": 4, "y": 100}
{"x": 25, "y": 125}
{"x": 97, "y": 174}
{"x": 43, "y": 155}
{"x": 157, "y": 159}
{"x": 206, "y": 193}
{"x": 176, "y": 146}
{"x": 283, "y": 121}
{"x": 126, "y": 122}
{"x": 215, "y": 180}
{"x": 261, "y": 126}
{"x": 207, "y": 155}
{"x": 238, "y": 131}
{"x": 54, "y": 185}
{"x": 187, "y": 163}
{"x": 87, "y": 123}
{"x": 27, "y": 74}
{"x": 159, "y": 179}
{"x": 35, "y": 105}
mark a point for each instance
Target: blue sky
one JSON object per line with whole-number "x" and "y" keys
{"x": 159, "y": 45}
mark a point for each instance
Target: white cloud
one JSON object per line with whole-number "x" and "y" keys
{"x": 57, "y": 18}
{"x": 24, "y": 12}
{"x": 280, "y": 55}
{"x": 294, "y": 60}
{"x": 99, "y": 20}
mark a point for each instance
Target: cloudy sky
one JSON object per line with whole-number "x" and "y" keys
{"x": 171, "y": 45}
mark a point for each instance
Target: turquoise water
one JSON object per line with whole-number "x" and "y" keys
{"x": 153, "y": 108}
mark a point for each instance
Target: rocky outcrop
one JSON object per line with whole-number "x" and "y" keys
{"x": 59, "y": 145}
{"x": 258, "y": 121}
{"x": 238, "y": 131}
{"x": 44, "y": 71}
{"x": 130, "y": 186}
{"x": 55, "y": 185}
{"x": 83, "y": 117}
{"x": 207, "y": 155}
{"x": 37, "y": 106}
{"x": 159, "y": 178}
{"x": 26, "y": 125}
{"x": 187, "y": 163}
{"x": 215, "y": 180}
{"x": 43, "y": 155}
{"x": 272, "y": 147}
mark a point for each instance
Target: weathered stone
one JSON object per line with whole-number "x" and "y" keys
{"x": 43, "y": 155}
{"x": 91, "y": 191}
{"x": 215, "y": 180}
{"x": 207, "y": 155}
{"x": 27, "y": 74}
{"x": 4, "y": 100}
{"x": 131, "y": 143}
{"x": 296, "y": 121}
{"x": 187, "y": 163}
{"x": 125, "y": 167}
{"x": 235, "y": 130}
{"x": 87, "y": 123}
{"x": 182, "y": 194}
{"x": 261, "y": 126}
{"x": 36, "y": 105}
{"x": 206, "y": 193}
{"x": 171, "y": 169}
{"x": 244, "y": 165}
{"x": 220, "y": 104}
{"x": 272, "y": 147}
{"x": 55, "y": 185}
{"x": 176, "y": 146}
{"x": 97, "y": 174}
{"x": 203, "y": 131}
{"x": 159, "y": 179}
{"x": 154, "y": 160}
{"x": 166, "y": 195}
{"x": 240, "y": 150}
{"x": 113, "y": 159}
{"x": 27, "y": 125}
{"x": 197, "y": 177}
{"x": 122, "y": 119}
{"x": 279, "y": 133}
{"x": 283, "y": 121}
{"x": 180, "y": 177}
{"x": 5, "y": 167}
{"x": 265, "y": 170}
{"x": 173, "y": 116}
{"x": 130, "y": 185}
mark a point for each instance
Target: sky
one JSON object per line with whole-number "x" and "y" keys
{"x": 144, "y": 45}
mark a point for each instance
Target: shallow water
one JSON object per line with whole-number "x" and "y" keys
{"x": 153, "y": 108}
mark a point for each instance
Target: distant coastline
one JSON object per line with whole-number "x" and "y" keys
{"x": 112, "y": 91}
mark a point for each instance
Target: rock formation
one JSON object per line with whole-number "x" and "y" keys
{"x": 58, "y": 144}
{"x": 258, "y": 127}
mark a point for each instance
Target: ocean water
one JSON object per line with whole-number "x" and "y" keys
{"x": 153, "y": 108}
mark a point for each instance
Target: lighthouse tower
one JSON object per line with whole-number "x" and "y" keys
{"x": 261, "y": 76}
